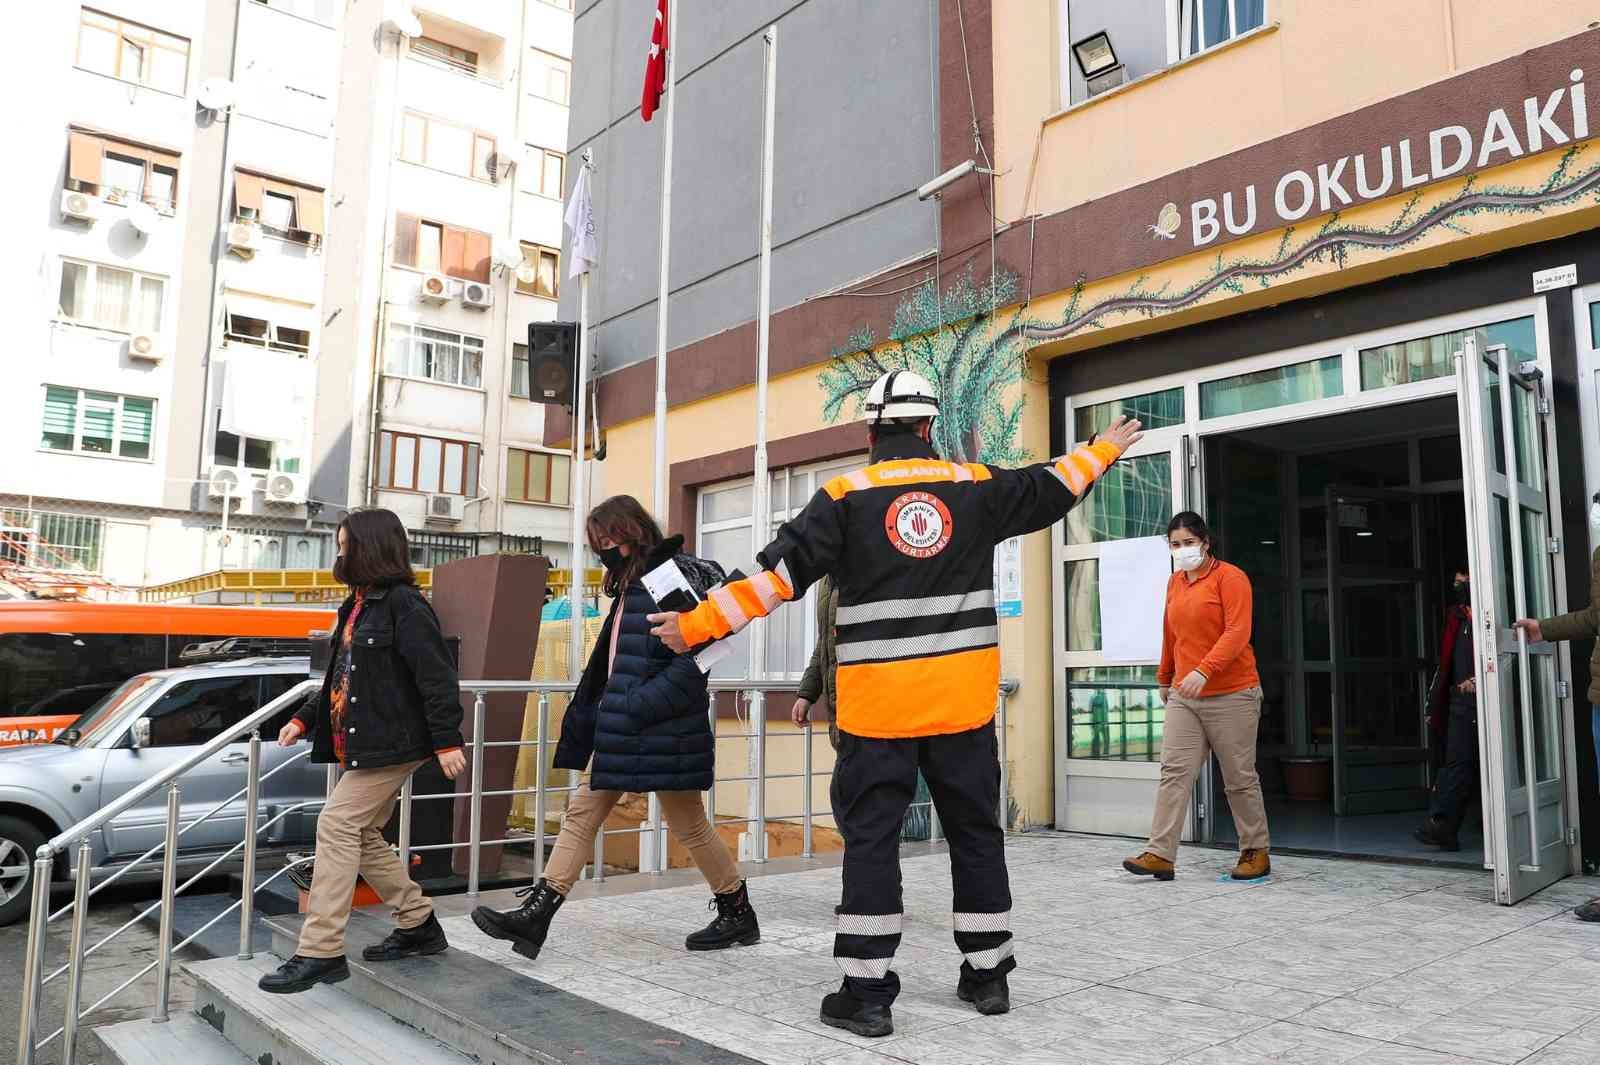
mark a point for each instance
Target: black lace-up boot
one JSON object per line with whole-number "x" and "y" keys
{"x": 527, "y": 925}
{"x": 735, "y": 923}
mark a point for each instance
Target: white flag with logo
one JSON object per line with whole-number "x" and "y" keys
{"x": 580, "y": 219}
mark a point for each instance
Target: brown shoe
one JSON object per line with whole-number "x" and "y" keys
{"x": 1148, "y": 864}
{"x": 1253, "y": 865}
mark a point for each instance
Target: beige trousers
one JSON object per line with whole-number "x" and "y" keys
{"x": 350, "y": 842}
{"x": 1226, "y": 724}
{"x": 685, "y": 815}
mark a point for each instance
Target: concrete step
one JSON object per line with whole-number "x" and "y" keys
{"x": 322, "y": 1026}
{"x": 497, "y": 1015}
{"x": 185, "y": 1038}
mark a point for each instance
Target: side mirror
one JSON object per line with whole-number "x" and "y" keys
{"x": 141, "y": 733}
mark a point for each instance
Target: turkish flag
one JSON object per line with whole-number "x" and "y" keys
{"x": 655, "y": 68}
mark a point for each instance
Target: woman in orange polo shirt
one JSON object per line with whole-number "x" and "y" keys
{"x": 1215, "y": 704}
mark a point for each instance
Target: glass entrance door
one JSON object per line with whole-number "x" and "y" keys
{"x": 1525, "y": 820}
{"x": 1377, "y": 674}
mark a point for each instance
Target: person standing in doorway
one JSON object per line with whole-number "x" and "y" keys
{"x": 1453, "y": 723}
{"x": 641, "y": 713}
{"x": 1212, "y": 693}
{"x": 909, "y": 542}
{"x": 1580, "y": 625}
{"x": 390, "y": 702}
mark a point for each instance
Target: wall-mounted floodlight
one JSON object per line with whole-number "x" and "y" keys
{"x": 946, "y": 179}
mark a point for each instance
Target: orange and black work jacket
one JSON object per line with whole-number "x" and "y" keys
{"x": 909, "y": 542}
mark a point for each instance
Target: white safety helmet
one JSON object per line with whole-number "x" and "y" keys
{"x": 900, "y": 394}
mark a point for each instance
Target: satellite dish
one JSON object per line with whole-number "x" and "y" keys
{"x": 404, "y": 21}
{"x": 216, "y": 94}
{"x": 506, "y": 253}
{"x": 527, "y": 273}
{"x": 143, "y": 217}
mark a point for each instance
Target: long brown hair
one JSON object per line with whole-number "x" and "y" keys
{"x": 376, "y": 551}
{"x": 623, "y": 520}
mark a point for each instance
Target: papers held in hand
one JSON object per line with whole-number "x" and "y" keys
{"x": 667, "y": 586}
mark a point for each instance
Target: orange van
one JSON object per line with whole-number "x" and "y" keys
{"x": 58, "y": 659}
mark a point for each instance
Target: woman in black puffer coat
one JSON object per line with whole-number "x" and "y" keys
{"x": 640, "y": 712}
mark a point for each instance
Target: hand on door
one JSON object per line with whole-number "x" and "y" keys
{"x": 1531, "y": 627}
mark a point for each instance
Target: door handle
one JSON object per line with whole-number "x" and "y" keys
{"x": 237, "y": 758}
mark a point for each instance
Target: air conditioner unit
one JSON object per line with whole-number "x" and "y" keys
{"x": 284, "y": 488}
{"x": 477, "y": 294}
{"x": 435, "y": 288}
{"x": 225, "y": 482}
{"x": 79, "y": 206}
{"x": 446, "y": 509}
{"x": 143, "y": 346}
{"x": 244, "y": 238}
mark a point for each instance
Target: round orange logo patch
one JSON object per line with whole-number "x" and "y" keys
{"x": 918, "y": 524}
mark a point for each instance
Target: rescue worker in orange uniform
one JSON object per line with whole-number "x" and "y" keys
{"x": 909, "y": 542}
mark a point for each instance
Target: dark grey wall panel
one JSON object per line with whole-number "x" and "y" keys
{"x": 856, "y": 134}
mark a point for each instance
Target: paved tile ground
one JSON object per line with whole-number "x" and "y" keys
{"x": 1326, "y": 962}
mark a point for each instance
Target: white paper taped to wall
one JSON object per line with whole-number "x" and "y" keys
{"x": 1133, "y": 598}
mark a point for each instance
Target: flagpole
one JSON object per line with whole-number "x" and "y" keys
{"x": 761, "y": 494}
{"x": 579, "y": 482}
{"x": 660, "y": 480}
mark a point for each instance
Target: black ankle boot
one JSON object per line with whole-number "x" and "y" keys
{"x": 301, "y": 974}
{"x": 527, "y": 925}
{"x": 1437, "y": 832}
{"x": 841, "y": 1009}
{"x": 426, "y": 938}
{"x": 990, "y": 996}
{"x": 735, "y": 923}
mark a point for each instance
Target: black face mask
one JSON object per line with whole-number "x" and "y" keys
{"x": 611, "y": 557}
{"x": 340, "y": 570}
{"x": 1463, "y": 593}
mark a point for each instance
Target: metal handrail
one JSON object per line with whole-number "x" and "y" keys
{"x": 34, "y": 978}
{"x": 122, "y": 804}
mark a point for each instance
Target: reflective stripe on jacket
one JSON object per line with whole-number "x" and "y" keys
{"x": 909, "y": 542}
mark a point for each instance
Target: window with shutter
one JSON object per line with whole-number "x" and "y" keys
{"x": 138, "y": 417}
{"x": 60, "y": 419}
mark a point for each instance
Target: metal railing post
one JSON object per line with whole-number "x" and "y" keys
{"x": 331, "y": 780}
{"x": 540, "y": 782}
{"x": 169, "y": 882}
{"x": 651, "y": 850}
{"x": 805, "y": 779}
{"x": 474, "y": 852}
{"x": 80, "y": 924}
{"x": 247, "y": 890}
{"x": 1005, "y": 770}
{"x": 407, "y": 789}
{"x": 758, "y": 715}
{"x": 33, "y": 963}
{"x": 711, "y": 796}
{"x": 933, "y": 821}
{"x": 599, "y": 870}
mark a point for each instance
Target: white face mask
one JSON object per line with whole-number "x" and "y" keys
{"x": 1594, "y": 515}
{"x": 1190, "y": 557}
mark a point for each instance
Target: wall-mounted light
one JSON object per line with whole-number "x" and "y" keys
{"x": 1097, "y": 61}
{"x": 1095, "y": 54}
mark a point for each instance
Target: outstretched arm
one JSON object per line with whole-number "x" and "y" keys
{"x": 1035, "y": 497}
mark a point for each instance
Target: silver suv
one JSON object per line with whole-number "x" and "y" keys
{"x": 143, "y": 726}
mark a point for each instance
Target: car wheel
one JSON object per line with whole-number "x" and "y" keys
{"x": 18, "y": 843}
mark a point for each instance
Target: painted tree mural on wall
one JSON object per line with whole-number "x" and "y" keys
{"x": 952, "y": 339}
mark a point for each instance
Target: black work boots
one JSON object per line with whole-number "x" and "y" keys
{"x": 426, "y": 938}
{"x": 841, "y": 1009}
{"x": 527, "y": 925}
{"x": 300, "y": 973}
{"x": 990, "y": 996}
{"x": 735, "y": 923}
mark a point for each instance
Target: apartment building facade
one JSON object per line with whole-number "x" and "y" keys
{"x": 1334, "y": 256}
{"x": 236, "y": 205}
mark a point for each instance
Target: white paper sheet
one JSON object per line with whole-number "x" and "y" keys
{"x": 1133, "y": 597}
{"x": 666, "y": 579}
